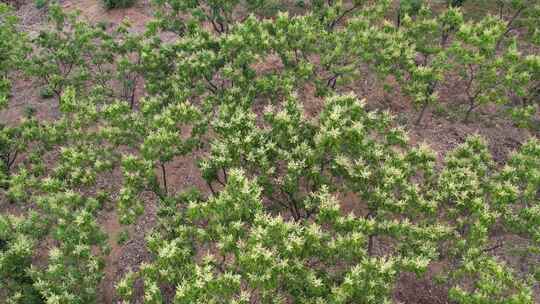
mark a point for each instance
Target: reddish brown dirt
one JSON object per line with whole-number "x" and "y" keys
{"x": 421, "y": 290}
{"x": 112, "y": 227}
{"x": 93, "y": 10}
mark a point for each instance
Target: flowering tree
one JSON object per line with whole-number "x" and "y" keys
{"x": 332, "y": 204}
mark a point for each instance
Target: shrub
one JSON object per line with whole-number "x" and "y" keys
{"x": 46, "y": 93}
{"x": 122, "y": 237}
{"x": 40, "y": 3}
{"x": 110, "y": 4}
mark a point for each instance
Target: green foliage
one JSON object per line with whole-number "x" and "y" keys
{"x": 516, "y": 191}
{"x": 46, "y": 92}
{"x": 40, "y": 4}
{"x": 71, "y": 53}
{"x": 13, "y": 49}
{"x": 17, "y": 245}
{"x": 293, "y": 156}
{"x": 493, "y": 283}
{"x": 257, "y": 255}
{"x": 477, "y": 204}
{"x": 474, "y": 53}
{"x": 408, "y": 8}
{"x": 525, "y": 86}
{"x": 182, "y": 16}
{"x": 310, "y": 197}
{"x": 9, "y": 149}
{"x": 14, "y": 140}
{"x": 122, "y": 237}
{"x": 73, "y": 271}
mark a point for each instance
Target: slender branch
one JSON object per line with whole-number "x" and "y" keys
{"x": 279, "y": 202}
{"x": 509, "y": 27}
{"x": 211, "y": 188}
{"x": 11, "y": 161}
{"x": 496, "y": 246}
{"x": 338, "y": 19}
{"x": 421, "y": 115}
{"x": 292, "y": 202}
{"x": 219, "y": 180}
{"x": 164, "y": 177}
{"x": 214, "y": 25}
{"x": 213, "y": 88}
{"x": 371, "y": 237}
{"x": 332, "y": 81}
{"x": 133, "y": 89}
{"x": 224, "y": 175}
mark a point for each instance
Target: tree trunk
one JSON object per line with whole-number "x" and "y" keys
{"x": 469, "y": 111}
{"x": 164, "y": 176}
{"x": 370, "y": 244}
{"x": 421, "y": 115}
